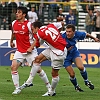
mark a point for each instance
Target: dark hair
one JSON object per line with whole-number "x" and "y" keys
{"x": 23, "y": 9}
{"x": 71, "y": 26}
{"x": 37, "y": 24}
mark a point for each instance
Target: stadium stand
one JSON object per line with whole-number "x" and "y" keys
{"x": 81, "y": 17}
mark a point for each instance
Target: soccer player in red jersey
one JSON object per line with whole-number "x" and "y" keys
{"x": 22, "y": 32}
{"x": 56, "y": 52}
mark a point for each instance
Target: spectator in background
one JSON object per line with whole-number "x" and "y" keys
{"x": 97, "y": 1}
{"x": 89, "y": 22}
{"x": 13, "y": 15}
{"x": 3, "y": 14}
{"x": 66, "y": 5}
{"x": 90, "y": 6}
{"x": 53, "y": 10}
{"x": 70, "y": 18}
{"x": 84, "y": 6}
{"x": 41, "y": 11}
{"x": 74, "y": 6}
{"x": 97, "y": 21}
{"x": 60, "y": 15}
{"x": 11, "y": 6}
{"x": 32, "y": 15}
{"x": 65, "y": 0}
{"x": 29, "y": 5}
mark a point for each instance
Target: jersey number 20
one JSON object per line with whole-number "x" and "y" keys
{"x": 53, "y": 33}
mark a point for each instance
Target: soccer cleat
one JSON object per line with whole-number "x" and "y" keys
{"x": 89, "y": 84}
{"x": 25, "y": 85}
{"x": 49, "y": 93}
{"x": 78, "y": 89}
{"x": 46, "y": 94}
{"x": 52, "y": 93}
{"x": 16, "y": 91}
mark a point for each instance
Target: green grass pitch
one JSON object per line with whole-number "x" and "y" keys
{"x": 64, "y": 90}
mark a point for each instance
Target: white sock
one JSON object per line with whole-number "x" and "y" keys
{"x": 15, "y": 78}
{"x": 54, "y": 82}
{"x": 44, "y": 77}
{"x": 33, "y": 72}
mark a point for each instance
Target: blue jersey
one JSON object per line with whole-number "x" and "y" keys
{"x": 73, "y": 53}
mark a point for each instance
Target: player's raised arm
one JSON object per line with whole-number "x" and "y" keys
{"x": 59, "y": 25}
{"x": 92, "y": 37}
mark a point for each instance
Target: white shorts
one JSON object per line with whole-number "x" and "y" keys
{"x": 56, "y": 61}
{"x": 21, "y": 57}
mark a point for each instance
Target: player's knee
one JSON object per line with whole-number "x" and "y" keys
{"x": 81, "y": 68}
{"x": 72, "y": 74}
{"x": 13, "y": 68}
{"x": 54, "y": 74}
{"x": 40, "y": 72}
{"x": 37, "y": 60}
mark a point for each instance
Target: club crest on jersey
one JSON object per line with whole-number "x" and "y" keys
{"x": 23, "y": 27}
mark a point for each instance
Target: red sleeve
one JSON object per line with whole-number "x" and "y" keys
{"x": 37, "y": 40}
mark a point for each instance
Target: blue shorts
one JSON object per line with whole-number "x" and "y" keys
{"x": 71, "y": 58}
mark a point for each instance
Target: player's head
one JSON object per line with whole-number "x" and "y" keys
{"x": 21, "y": 13}
{"x": 32, "y": 9}
{"x": 70, "y": 30}
{"x": 36, "y": 26}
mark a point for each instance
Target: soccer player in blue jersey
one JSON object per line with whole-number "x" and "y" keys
{"x": 73, "y": 55}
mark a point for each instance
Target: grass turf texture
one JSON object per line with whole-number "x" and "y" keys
{"x": 64, "y": 90}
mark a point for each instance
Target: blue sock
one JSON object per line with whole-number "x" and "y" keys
{"x": 73, "y": 81}
{"x": 84, "y": 75}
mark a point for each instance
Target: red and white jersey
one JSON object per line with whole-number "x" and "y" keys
{"x": 52, "y": 37}
{"x": 23, "y": 35}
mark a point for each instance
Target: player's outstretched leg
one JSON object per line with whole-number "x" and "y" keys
{"x": 34, "y": 70}
{"x": 85, "y": 77}
{"x": 42, "y": 75}
{"x": 74, "y": 82}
